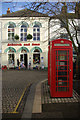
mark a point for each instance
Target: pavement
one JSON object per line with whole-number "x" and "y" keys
{"x": 18, "y": 86}
{"x": 28, "y": 93}
{"x": 55, "y": 108}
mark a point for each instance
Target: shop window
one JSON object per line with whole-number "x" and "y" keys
{"x": 64, "y": 36}
{"x": 36, "y": 33}
{"x": 36, "y": 57}
{"x": 11, "y": 57}
{"x": 78, "y": 30}
{"x": 23, "y": 33}
{"x": 11, "y": 32}
{"x": 63, "y": 23}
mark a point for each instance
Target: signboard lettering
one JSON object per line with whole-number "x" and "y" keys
{"x": 27, "y": 44}
{"x": 61, "y": 44}
{"x": 11, "y": 44}
{"x": 35, "y": 44}
{"x": 19, "y": 44}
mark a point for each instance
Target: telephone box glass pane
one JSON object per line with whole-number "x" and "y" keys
{"x": 62, "y": 78}
{"x": 62, "y": 67}
{"x": 61, "y": 52}
{"x": 62, "y": 73}
{"x": 62, "y": 88}
{"x": 61, "y": 57}
{"x": 62, "y": 62}
{"x": 62, "y": 70}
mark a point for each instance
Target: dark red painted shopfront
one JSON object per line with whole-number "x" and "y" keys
{"x": 61, "y": 68}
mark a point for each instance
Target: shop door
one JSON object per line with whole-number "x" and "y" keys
{"x": 63, "y": 81}
{"x": 23, "y": 57}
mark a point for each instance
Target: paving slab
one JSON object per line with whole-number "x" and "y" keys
{"x": 69, "y": 107}
{"x": 54, "y": 107}
{"x": 37, "y": 100}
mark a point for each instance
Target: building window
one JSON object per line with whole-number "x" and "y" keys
{"x": 23, "y": 33}
{"x": 78, "y": 30}
{"x": 11, "y": 57}
{"x": 36, "y": 33}
{"x": 64, "y": 36}
{"x": 11, "y": 32}
{"x": 36, "y": 57}
{"x": 63, "y": 24}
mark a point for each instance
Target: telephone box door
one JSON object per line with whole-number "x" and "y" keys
{"x": 63, "y": 73}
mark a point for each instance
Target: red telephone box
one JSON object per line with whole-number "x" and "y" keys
{"x": 61, "y": 68}
{"x": 49, "y": 65}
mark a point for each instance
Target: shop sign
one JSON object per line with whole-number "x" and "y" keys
{"x": 14, "y": 44}
{"x": 35, "y": 44}
{"x": 27, "y": 44}
{"x": 19, "y": 44}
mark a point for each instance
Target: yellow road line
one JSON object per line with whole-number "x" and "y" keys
{"x": 20, "y": 99}
{"x": 12, "y": 112}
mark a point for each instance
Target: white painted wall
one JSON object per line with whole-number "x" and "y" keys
{"x": 43, "y": 37}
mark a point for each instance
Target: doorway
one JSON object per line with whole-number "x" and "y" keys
{"x": 23, "y": 57}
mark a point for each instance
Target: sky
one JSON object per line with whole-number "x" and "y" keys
{"x": 15, "y": 6}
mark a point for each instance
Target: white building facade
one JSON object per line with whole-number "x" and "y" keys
{"x": 32, "y": 52}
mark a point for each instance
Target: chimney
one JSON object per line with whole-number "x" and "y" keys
{"x": 8, "y": 11}
{"x": 77, "y": 9}
{"x": 64, "y": 9}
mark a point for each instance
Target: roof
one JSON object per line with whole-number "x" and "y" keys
{"x": 31, "y": 13}
{"x": 25, "y": 13}
{"x": 69, "y": 15}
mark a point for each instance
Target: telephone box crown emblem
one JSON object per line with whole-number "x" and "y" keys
{"x": 62, "y": 41}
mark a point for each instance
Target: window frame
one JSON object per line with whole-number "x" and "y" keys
{"x": 36, "y": 32}
{"x": 64, "y": 37}
{"x": 10, "y": 32}
{"x": 23, "y": 32}
{"x": 63, "y": 24}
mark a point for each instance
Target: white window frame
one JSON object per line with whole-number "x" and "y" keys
{"x": 36, "y": 32}
{"x": 23, "y": 33}
{"x": 10, "y": 32}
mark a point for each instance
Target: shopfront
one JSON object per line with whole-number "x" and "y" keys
{"x": 26, "y": 54}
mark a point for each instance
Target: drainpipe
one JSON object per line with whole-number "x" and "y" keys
{"x": 49, "y": 31}
{"x": 1, "y": 38}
